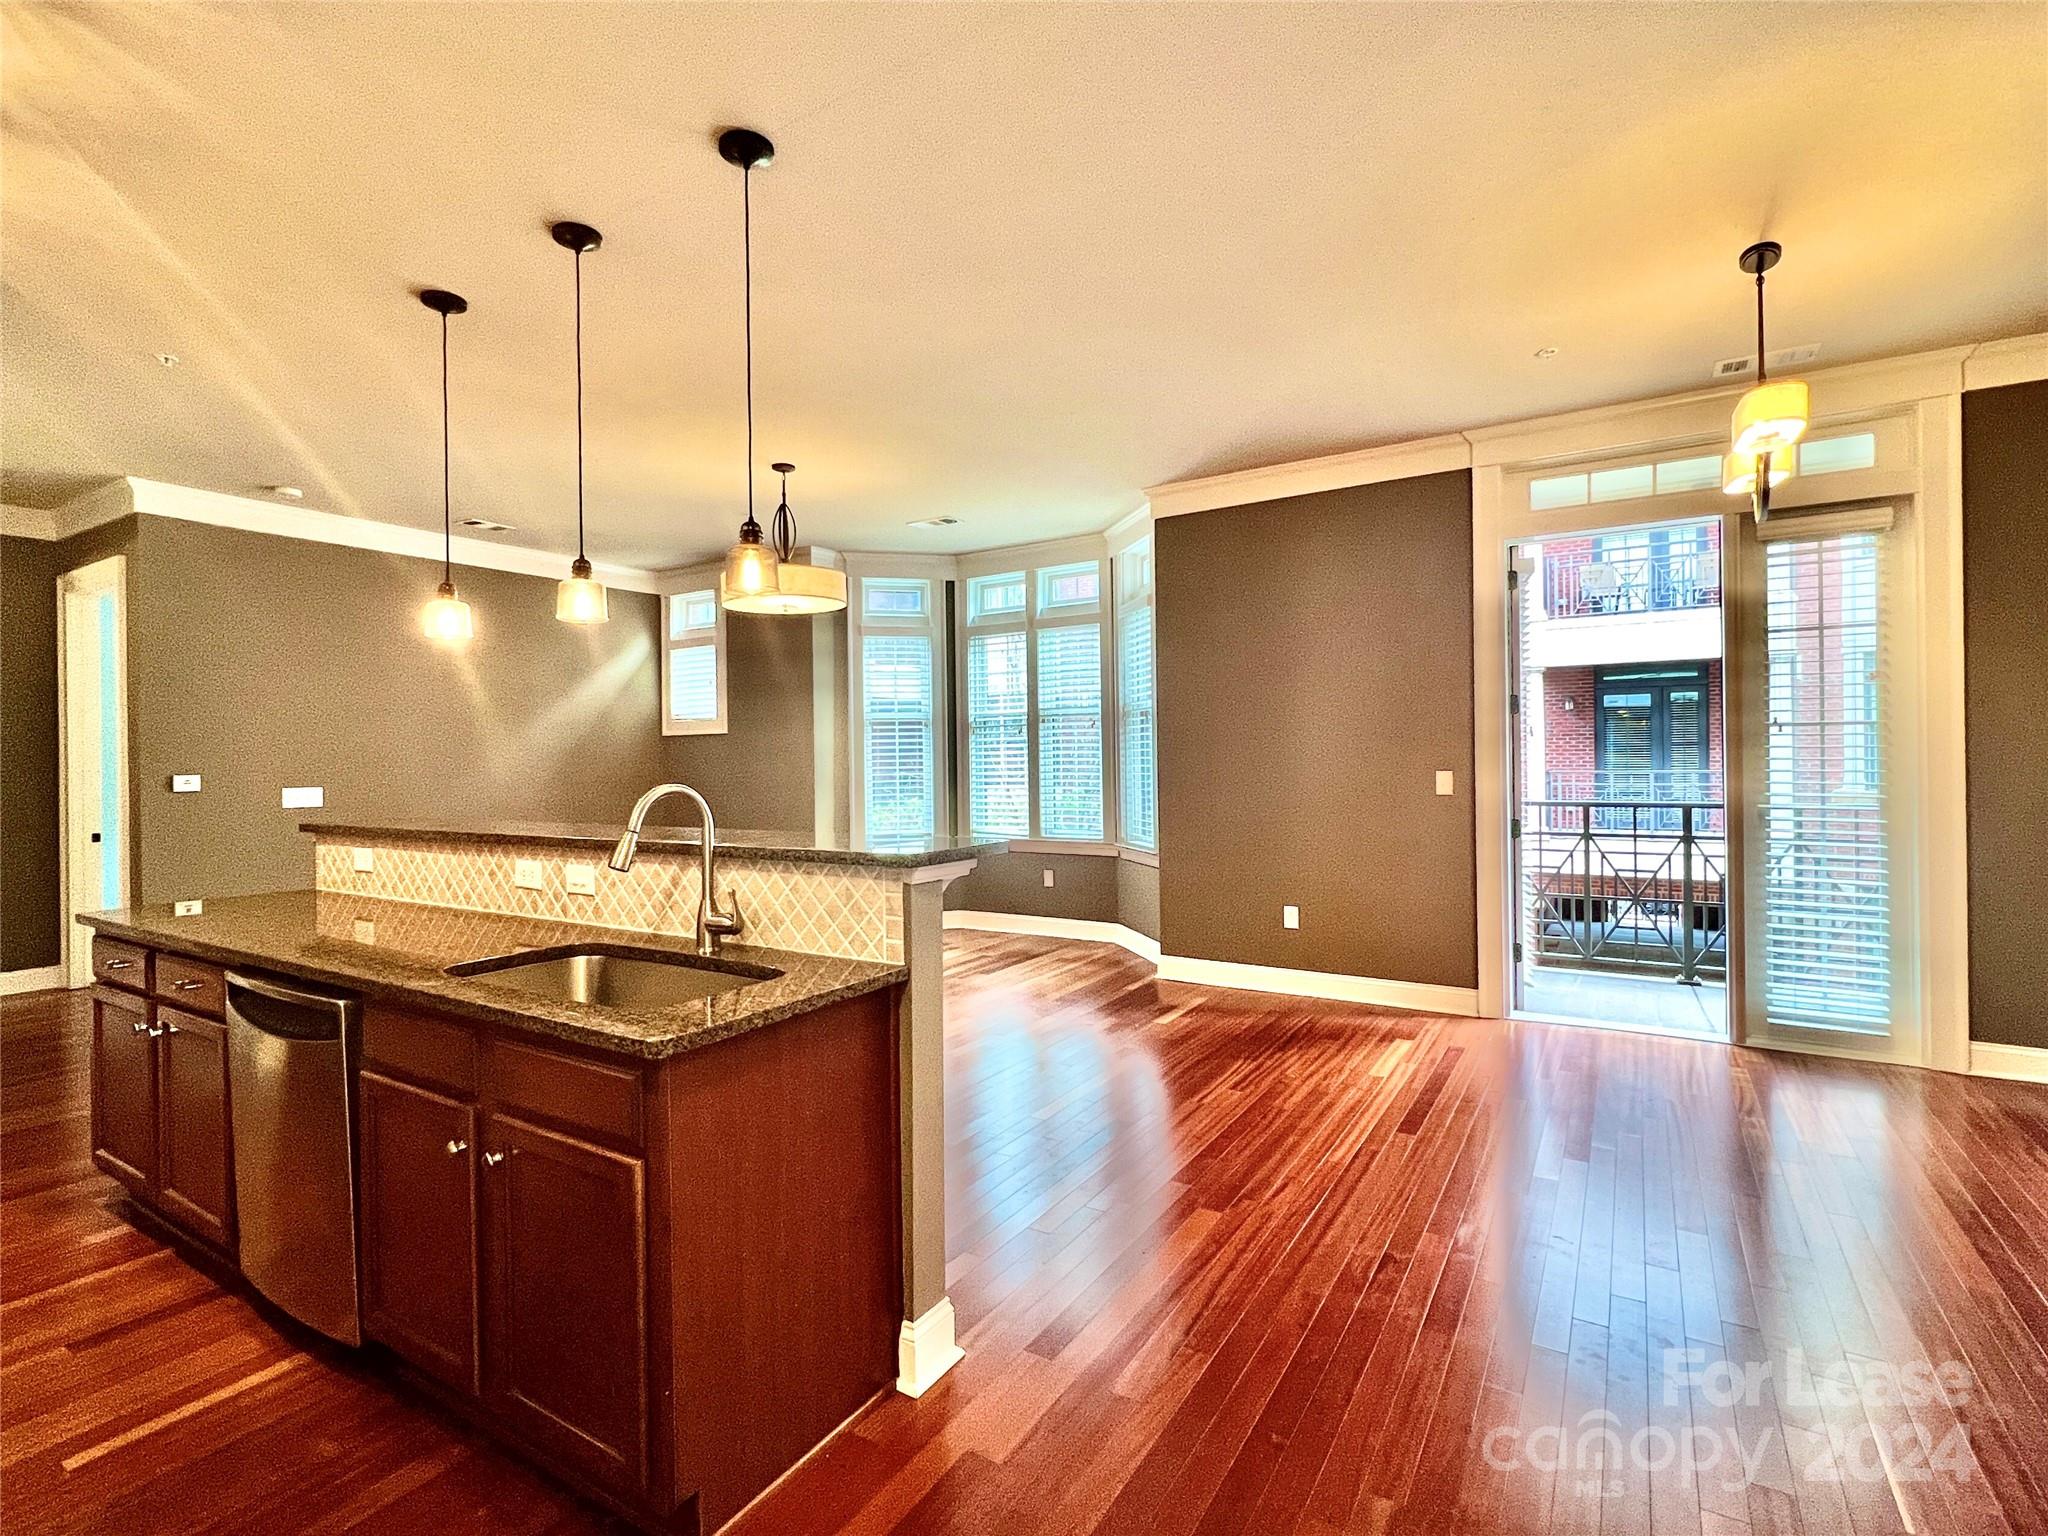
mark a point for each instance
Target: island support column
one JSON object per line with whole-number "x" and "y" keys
{"x": 926, "y": 1350}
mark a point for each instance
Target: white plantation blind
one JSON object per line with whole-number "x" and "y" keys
{"x": 1137, "y": 756}
{"x": 1826, "y": 880}
{"x": 693, "y": 695}
{"x": 998, "y": 746}
{"x": 693, "y": 683}
{"x": 1070, "y": 731}
{"x": 896, "y": 701}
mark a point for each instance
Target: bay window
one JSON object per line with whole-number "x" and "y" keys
{"x": 1137, "y": 767}
{"x": 896, "y": 644}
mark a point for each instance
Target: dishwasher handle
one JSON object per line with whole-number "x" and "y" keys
{"x": 288, "y": 1009}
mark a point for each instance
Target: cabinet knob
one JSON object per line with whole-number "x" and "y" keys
{"x": 120, "y": 965}
{"x": 492, "y": 1159}
{"x": 170, "y": 1029}
{"x": 154, "y": 1033}
{"x": 139, "y": 1027}
{"x": 457, "y": 1148}
{"x": 186, "y": 984}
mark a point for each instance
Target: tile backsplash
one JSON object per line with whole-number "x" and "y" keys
{"x": 821, "y": 909}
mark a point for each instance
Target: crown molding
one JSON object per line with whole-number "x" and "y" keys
{"x": 1306, "y": 477}
{"x": 2010, "y": 360}
{"x": 27, "y": 523}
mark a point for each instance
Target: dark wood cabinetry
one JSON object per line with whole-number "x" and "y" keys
{"x": 417, "y": 1152}
{"x": 124, "y": 1119}
{"x": 195, "y": 1181}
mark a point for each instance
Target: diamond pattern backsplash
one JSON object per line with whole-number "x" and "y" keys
{"x": 820, "y": 909}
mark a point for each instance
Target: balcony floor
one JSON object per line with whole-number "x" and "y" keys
{"x": 1628, "y": 1002}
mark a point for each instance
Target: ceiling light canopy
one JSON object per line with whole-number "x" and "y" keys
{"x": 579, "y": 599}
{"x": 762, "y": 574}
{"x": 1771, "y": 417}
{"x": 446, "y": 618}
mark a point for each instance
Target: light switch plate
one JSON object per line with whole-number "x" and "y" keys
{"x": 1048, "y": 878}
{"x": 526, "y": 874}
{"x": 1290, "y": 917}
{"x": 579, "y": 879}
{"x": 363, "y": 860}
{"x": 184, "y": 783}
{"x": 305, "y": 798}
{"x": 187, "y": 908}
{"x": 1443, "y": 782}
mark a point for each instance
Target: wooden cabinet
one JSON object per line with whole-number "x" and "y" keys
{"x": 195, "y": 1180}
{"x": 418, "y": 1158}
{"x": 565, "y": 1260}
{"x": 124, "y": 1097}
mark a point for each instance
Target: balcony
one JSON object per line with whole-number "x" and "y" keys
{"x": 1581, "y": 584}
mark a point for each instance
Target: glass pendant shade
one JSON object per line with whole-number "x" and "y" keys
{"x": 579, "y": 600}
{"x": 1772, "y": 416}
{"x": 446, "y": 618}
{"x": 1738, "y": 471}
{"x": 751, "y": 573}
{"x": 799, "y": 588}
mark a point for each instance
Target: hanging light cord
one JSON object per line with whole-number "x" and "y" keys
{"x": 747, "y": 263}
{"x": 1759, "y": 325}
{"x": 447, "y": 526}
{"x": 579, "y": 407}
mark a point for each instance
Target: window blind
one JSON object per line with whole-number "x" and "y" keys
{"x": 998, "y": 711}
{"x": 1827, "y": 892}
{"x": 693, "y": 681}
{"x": 896, "y": 699}
{"x": 1070, "y": 731}
{"x": 1137, "y": 759}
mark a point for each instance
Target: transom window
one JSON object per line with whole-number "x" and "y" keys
{"x": 693, "y": 663}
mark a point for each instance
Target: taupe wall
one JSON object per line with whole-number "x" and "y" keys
{"x": 1315, "y": 671}
{"x": 1084, "y": 886}
{"x": 2005, "y": 551}
{"x": 760, "y": 774}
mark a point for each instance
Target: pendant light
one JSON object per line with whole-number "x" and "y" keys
{"x": 762, "y": 575}
{"x": 579, "y": 599}
{"x": 446, "y": 618}
{"x": 1771, "y": 417}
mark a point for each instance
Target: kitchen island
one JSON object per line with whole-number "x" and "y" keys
{"x": 664, "y": 1250}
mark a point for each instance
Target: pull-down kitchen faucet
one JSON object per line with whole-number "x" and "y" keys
{"x": 712, "y": 924}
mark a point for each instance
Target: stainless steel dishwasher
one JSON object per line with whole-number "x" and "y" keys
{"x": 291, "y": 1046}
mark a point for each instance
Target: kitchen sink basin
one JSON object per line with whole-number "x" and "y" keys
{"x": 615, "y": 973}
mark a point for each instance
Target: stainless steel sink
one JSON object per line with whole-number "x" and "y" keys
{"x": 615, "y": 973}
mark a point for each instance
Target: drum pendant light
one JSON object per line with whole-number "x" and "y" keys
{"x": 1771, "y": 417}
{"x": 762, "y": 575}
{"x": 446, "y": 618}
{"x": 578, "y": 598}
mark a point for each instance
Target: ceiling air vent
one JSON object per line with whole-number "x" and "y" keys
{"x": 935, "y": 522}
{"x": 483, "y": 525}
{"x": 1784, "y": 357}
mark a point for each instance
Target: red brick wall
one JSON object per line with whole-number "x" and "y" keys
{"x": 1569, "y": 735}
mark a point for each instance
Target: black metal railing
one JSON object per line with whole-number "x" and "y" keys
{"x": 1581, "y": 583}
{"x": 1626, "y": 798}
{"x": 1636, "y": 885}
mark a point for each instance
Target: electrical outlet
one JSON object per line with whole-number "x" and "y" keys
{"x": 526, "y": 874}
{"x": 184, "y": 783}
{"x": 362, "y": 860}
{"x": 363, "y": 930}
{"x": 187, "y": 908}
{"x": 305, "y": 798}
{"x": 580, "y": 879}
{"x": 1048, "y": 879}
{"x": 1443, "y": 782}
{"x": 1290, "y": 917}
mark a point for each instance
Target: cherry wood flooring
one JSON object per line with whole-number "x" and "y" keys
{"x": 1223, "y": 1263}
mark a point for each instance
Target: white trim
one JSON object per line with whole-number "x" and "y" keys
{"x": 27, "y": 523}
{"x": 156, "y": 498}
{"x": 110, "y": 573}
{"x": 1144, "y": 856}
{"x": 1096, "y": 850}
{"x": 35, "y": 978}
{"x": 673, "y": 585}
{"x": 1057, "y": 928}
{"x": 1132, "y": 528}
{"x": 1422, "y": 997}
{"x": 925, "y": 1350}
{"x": 944, "y": 874}
{"x": 2020, "y": 1063}
{"x": 2011, "y": 360}
{"x": 1305, "y": 477}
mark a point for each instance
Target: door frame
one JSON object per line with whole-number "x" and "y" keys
{"x": 107, "y": 575}
{"x": 1915, "y": 409}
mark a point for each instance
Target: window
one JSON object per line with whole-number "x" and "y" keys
{"x": 1070, "y": 732}
{"x": 896, "y": 646}
{"x": 993, "y": 597}
{"x": 1826, "y": 455}
{"x": 693, "y": 664}
{"x": 998, "y": 764}
{"x": 1137, "y": 765}
{"x": 890, "y": 597}
{"x": 1069, "y": 586}
{"x": 1653, "y": 734}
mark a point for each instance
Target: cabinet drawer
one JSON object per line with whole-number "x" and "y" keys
{"x": 438, "y": 1052}
{"x": 596, "y": 1098}
{"x": 191, "y": 984}
{"x": 121, "y": 965}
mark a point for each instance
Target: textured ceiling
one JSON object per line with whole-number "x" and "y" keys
{"x": 1013, "y": 263}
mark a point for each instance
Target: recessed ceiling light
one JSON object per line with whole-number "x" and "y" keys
{"x": 935, "y": 522}
{"x": 1546, "y": 352}
{"x": 288, "y": 492}
{"x": 168, "y": 359}
{"x": 483, "y": 525}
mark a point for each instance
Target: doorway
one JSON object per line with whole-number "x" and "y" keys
{"x": 92, "y": 750}
{"x": 1619, "y": 826}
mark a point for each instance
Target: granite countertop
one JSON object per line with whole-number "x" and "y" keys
{"x": 401, "y": 950}
{"x": 889, "y": 853}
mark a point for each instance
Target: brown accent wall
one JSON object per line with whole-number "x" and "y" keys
{"x": 760, "y": 773}
{"x": 1084, "y": 886}
{"x": 2005, "y": 550}
{"x": 1315, "y": 671}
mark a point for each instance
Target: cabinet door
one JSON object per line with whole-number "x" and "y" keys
{"x": 124, "y": 1139}
{"x": 195, "y": 1178}
{"x": 565, "y": 1266}
{"x": 419, "y": 1274}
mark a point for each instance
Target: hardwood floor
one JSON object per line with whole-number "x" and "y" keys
{"x": 1223, "y": 1263}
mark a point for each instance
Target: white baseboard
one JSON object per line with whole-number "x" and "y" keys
{"x": 38, "y": 978}
{"x": 2021, "y": 1063}
{"x": 1057, "y": 928}
{"x": 1422, "y": 997}
{"x": 925, "y": 1351}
